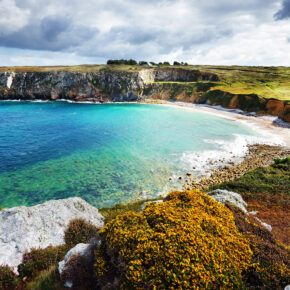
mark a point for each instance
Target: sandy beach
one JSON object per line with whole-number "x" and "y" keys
{"x": 277, "y": 145}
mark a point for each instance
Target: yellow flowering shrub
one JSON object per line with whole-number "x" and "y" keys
{"x": 189, "y": 241}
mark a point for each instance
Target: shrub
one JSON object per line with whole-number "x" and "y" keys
{"x": 79, "y": 272}
{"x": 143, "y": 63}
{"x": 270, "y": 261}
{"x": 8, "y": 279}
{"x": 188, "y": 241}
{"x": 79, "y": 231}
{"x": 40, "y": 259}
{"x": 46, "y": 280}
{"x": 122, "y": 61}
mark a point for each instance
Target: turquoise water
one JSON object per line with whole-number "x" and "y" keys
{"x": 105, "y": 153}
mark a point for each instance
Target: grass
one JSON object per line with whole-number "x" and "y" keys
{"x": 266, "y": 82}
{"x": 111, "y": 212}
{"x": 46, "y": 280}
{"x": 268, "y": 191}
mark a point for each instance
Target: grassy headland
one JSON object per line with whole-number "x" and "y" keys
{"x": 266, "y": 82}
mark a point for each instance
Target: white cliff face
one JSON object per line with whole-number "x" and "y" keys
{"x": 10, "y": 80}
{"x": 23, "y": 228}
{"x": 147, "y": 75}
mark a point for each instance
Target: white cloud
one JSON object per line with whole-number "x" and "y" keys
{"x": 12, "y": 18}
{"x": 216, "y": 32}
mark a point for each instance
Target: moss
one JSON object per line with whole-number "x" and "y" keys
{"x": 188, "y": 241}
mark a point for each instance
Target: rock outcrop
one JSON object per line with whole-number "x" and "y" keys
{"x": 122, "y": 86}
{"x": 223, "y": 196}
{"x": 23, "y": 228}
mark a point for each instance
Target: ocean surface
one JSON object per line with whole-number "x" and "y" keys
{"x": 107, "y": 153}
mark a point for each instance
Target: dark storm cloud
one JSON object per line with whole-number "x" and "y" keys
{"x": 284, "y": 12}
{"x": 52, "y": 26}
{"x": 50, "y": 33}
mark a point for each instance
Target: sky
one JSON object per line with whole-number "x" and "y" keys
{"x": 218, "y": 32}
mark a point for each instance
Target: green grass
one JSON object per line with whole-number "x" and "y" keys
{"x": 46, "y": 280}
{"x": 266, "y": 82}
{"x": 111, "y": 212}
{"x": 264, "y": 183}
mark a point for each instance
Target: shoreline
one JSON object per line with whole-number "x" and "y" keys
{"x": 275, "y": 143}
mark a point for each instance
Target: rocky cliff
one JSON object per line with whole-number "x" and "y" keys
{"x": 116, "y": 86}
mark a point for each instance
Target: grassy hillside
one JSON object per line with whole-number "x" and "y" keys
{"x": 267, "y": 82}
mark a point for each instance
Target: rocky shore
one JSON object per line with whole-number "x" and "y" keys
{"x": 257, "y": 156}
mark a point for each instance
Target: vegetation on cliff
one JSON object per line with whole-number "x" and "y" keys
{"x": 188, "y": 241}
{"x": 267, "y": 189}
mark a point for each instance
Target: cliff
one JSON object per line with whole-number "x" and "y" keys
{"x": 108, "y": 85}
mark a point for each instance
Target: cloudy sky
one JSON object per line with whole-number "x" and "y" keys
{"x": 50, "y": 32}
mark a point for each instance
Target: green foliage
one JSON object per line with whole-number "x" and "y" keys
{"x": 143, "y": 63}
{"x": 38, "y": 260}
{"x": 46, "y": 280}
{"x": 188, "y": 241}
{"x": 8, "y": 279}
{"x": 282, "y": 161}
{"x": 273, "y": 180}
{"x": 79, "y": 231}
{"x": 166, "y": 63}
{"x": 176, "y": 63}
{"x": 122, "y": 61}
{"x": 152, "y": 63}
{"x": 111, "y": 212}
{"x": 1, "y": 208}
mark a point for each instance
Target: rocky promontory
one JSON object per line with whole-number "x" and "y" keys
{"x": 109, "y": 85}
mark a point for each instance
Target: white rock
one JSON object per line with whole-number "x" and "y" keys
{"x": 79, "y": 249}
{"x": 265, "y": 225}
{"x": 223, "y": 196}
{"x": 23, "y": 228}
{"x": 144, "y": 204}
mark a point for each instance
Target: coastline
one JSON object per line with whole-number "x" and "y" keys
{"x": 260, "y": 154}
{"x": 228, "y": 165}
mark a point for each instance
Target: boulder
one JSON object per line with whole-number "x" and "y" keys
{"x": 39, "y": 226}
{"x": 223, "y": 196}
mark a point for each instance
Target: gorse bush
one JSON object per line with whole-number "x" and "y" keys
{"x": 79, "y": 231}
{"x": 188, "y": 241}
{"x": 40, "y": 259}
{"x": 8, "y": 279}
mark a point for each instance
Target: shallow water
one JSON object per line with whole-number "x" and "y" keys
{"x": 105, "y": 153}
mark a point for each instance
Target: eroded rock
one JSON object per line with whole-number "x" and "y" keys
{"x": 23, "y": 228}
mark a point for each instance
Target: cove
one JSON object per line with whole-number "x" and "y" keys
{"x": 105, "y": 153}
